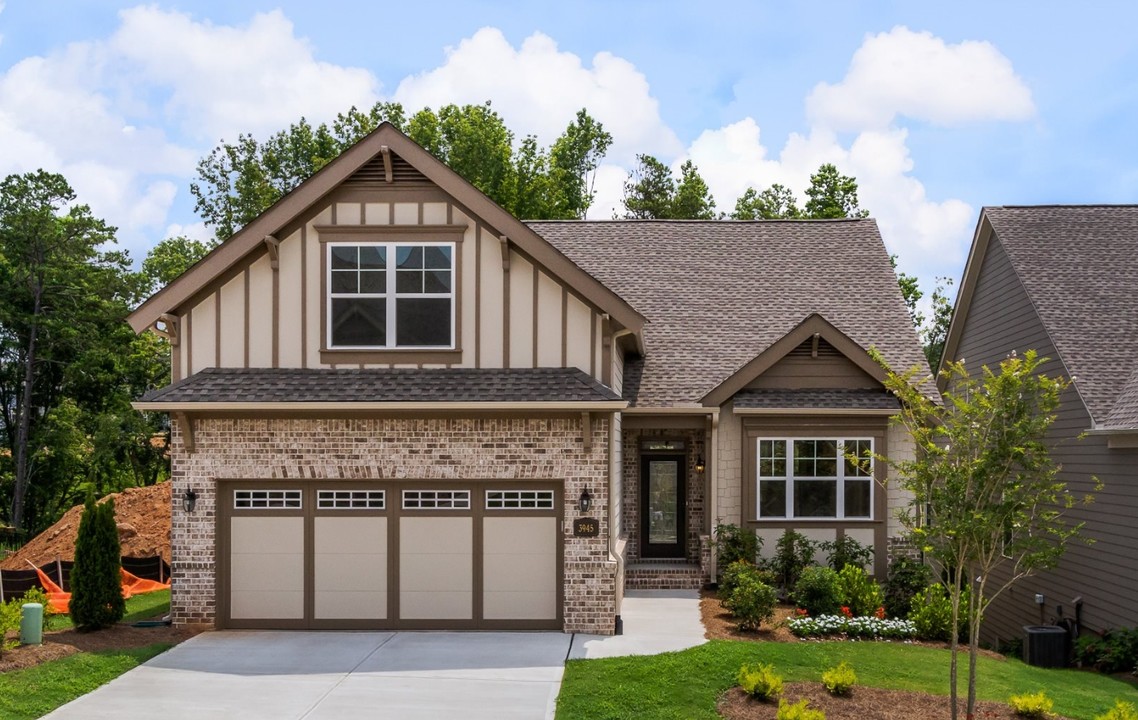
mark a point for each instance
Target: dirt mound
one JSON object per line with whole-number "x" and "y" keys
{"x": 143, "y": 518}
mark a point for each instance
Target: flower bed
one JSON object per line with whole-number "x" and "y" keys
{"x": 871, "y": 628}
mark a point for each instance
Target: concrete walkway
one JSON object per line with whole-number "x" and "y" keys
{"x": 334, "y": 675}
{"x": 655, "y": 621}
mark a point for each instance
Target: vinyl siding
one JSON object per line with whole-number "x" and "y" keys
{"x": 1105, "y": 574}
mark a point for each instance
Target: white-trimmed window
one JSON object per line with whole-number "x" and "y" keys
{"x": 519, "y": 500}
{"x": 815, "y": 478}
{"x": 393, "y": 295}
{"x": 266, "y": 499}
{"x": 351, "y": 500}
{"x": 436, "y": 499}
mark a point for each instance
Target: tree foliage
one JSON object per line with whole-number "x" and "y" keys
{"x": 652, "y": 192}
{"x": 988, "y": 506}
{"x": 237, "y": 181}
{"x": 775, "y": 203}
{"x": 96, "y": 585}
{"x": 69, "y": 365}
{"x": 830, "y": 195}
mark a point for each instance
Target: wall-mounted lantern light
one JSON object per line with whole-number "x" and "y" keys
{"x": 699, "y": 466}
{"x": 189, "y": 500}
{"x": 585, "y": 501}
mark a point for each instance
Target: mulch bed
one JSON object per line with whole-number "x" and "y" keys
{"x": 863, "y": 703}
{"x": 66, "y": 642}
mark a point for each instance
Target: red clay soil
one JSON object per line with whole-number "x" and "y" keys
{"x": 143, "y": 517}
{"x": 863, "y": 703}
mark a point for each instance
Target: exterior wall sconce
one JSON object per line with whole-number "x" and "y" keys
{"x": 699, "y": 466}
{"x": 585, "y": 501}
{"x": 189, "y": 500}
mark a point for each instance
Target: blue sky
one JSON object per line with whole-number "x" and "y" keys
{"x": 937, "y": 108}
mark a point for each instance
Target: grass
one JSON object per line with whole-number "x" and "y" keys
{"x": 36, "y": 691}
{"x": 686, "y": 684}
{"x": 139, "y": 607}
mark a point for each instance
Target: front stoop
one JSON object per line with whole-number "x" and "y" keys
{"x": 664, "y": 575}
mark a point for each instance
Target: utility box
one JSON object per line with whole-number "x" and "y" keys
{"x": 31, "y": 624}
{"x": 1045, "y": 646}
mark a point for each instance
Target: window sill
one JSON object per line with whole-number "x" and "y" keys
{"x": 391, "y": 357}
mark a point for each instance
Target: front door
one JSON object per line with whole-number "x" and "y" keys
{"x": 662, "y": 484}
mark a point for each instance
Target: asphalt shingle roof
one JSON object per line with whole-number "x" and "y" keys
{"x": 1079, "y": 265}
{"x": 384, "y": 385}
{"x": 718, "y": 293}
{"x": 808, "y": 399}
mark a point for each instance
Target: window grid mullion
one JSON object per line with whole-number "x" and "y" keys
{"x": 391, "y": 252}
{"x": 841, "y": 480}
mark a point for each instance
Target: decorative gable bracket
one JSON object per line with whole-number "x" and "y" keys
{"x": 186, "y": 426}
{"x": 274, "y": 247}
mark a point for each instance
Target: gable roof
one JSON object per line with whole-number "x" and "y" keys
{"x": 1079, "y": 267}
{"x": 316, "y": 188}
{"x": 719, "y": 293}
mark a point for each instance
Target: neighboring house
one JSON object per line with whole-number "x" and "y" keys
{"x": 397, "y": 406}
{"x": 1063, "y": 280}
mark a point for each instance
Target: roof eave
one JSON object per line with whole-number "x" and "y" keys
{"x": 352, "y": 407}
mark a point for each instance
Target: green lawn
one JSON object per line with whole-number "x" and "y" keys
{"x": 139, "y": 607}
{"x": 36, "y": 691}
{"x": 686, "y": 684}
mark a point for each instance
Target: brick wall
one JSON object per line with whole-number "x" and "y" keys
{"x": 396, "y": 448}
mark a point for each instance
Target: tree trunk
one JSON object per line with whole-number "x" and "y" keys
{"x": 974, "y": 619}
{"x": 24, "y": 419}
{"x": 954, "y": 642}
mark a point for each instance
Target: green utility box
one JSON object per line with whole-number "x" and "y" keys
{"x": 31, "y": 624}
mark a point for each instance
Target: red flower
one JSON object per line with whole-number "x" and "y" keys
{"x": 801, "y": 612}
{"x": 846, "y": 611}
{"x": 880, "y": 613}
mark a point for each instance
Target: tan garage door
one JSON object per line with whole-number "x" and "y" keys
{"x": 374, "y": 555}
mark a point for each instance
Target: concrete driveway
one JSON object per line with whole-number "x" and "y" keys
{"x": 318, "y": 675}
{"x": 333, "y": 675}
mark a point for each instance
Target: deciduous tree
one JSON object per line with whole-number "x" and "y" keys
{"x": 988, "y": 505}
{"x": 651, "y": 192}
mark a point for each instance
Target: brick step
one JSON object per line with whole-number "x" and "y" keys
{"x": 664, "y": 575}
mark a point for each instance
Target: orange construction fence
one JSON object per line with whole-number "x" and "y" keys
{"x": 131, "y": 585}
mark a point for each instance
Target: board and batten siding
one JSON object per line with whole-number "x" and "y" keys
{"x": 523, "y": 317}
{"x": 1001, "y": 319}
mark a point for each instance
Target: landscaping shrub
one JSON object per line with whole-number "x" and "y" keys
{"x": 1116, "y": 651}
{"x": 800, "y": 710}
{"x": 752, "y": 602}
{"x": 1031, "y": 705}
{"x": 906, "y": 578}
{"x": 1120, "y": 711}
{"x": 860, "y": 593}
{"x": 818, "y": 591}
{"x": 932, "y": 613}
{"x": 96, "y": 584}
{"x": 733, "y": 543}
{"x": 840, "y": 680}
{"x": 760, "y": 681}
{"x": 793, "y": 554}
{"x": 36, "y": 595}
{"x": 729, "y": 578}
{"x": 846, "y": 551}
{"x": 9, "y": 622}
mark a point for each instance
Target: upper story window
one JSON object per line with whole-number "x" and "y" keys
{"x": 393, "y": 295}
{"x": 818, "y": 478}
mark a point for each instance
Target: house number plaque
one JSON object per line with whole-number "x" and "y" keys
{"x": 586, "y": 527}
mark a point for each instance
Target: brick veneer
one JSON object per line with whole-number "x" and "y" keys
{"x": 395, "y": 448}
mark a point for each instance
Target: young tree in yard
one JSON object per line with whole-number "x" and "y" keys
{"x": 96, "y": 586}
{"x": 988, "y": 506}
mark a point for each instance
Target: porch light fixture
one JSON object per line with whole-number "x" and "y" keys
{"x": 585, "y": 501}
{"x": 699, "y": 466}
{"x": 189, "y": 500}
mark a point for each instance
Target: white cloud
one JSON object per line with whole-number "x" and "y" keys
{"x": 221, "y": 80}
{"x": 919, "y": 76}
{"x": 538, "y": 89}
{"x": 194, "y": 231}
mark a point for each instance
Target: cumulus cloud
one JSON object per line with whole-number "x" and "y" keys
{"x": 126, "y": 118}
{"x": 918, "y": 75}
{"x": 221, "y": 80}
{"x": 538, "y": 89}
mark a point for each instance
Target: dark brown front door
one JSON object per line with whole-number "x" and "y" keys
{"x": 662, "y": 485}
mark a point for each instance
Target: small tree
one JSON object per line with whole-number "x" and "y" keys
{"x": 988, "y": 505}
{"x": 96, "y": 584}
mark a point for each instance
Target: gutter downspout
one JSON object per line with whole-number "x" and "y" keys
{"x": 713, "y": 481}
